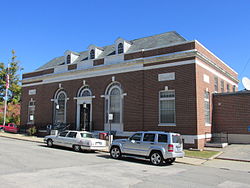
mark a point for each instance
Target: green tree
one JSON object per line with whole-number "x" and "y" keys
{"x": 14, "y": 91}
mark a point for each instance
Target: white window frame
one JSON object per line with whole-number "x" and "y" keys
{"x": 121, "y": 102}
{"x": 29, "y": 107}
{"x": 216, "y": 84}
{"x": 108, "y": 90}
{"x": 56, "y": 103}
{"x": 207, "y": 100}
{"x": 222, "y": 86}
{"x": 159, "y": 114}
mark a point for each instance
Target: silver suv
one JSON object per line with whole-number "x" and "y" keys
{"x": 156, "y": 146}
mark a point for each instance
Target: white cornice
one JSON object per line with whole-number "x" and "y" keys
{"x": 127, "y": 66}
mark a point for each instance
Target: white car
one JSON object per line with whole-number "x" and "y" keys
{"x": 78, "y": 140}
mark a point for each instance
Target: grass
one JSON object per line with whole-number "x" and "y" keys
{"x": 200, "y": 154}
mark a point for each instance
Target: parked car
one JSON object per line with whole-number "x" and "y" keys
{"x": 156, "y": 146}
{"x": 78, "y": 140}
{"x": 10, "y": 127}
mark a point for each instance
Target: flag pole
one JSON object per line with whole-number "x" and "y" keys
{"x": 6, "y": 96}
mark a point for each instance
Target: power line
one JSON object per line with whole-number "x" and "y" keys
{"x": 245, "y": 66}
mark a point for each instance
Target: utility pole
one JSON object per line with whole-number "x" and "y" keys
{"x": 6, "y": 95}
{"x": 7, "y": 86}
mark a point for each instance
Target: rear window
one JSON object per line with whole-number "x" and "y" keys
{"x": 86, "y": 135}
{"x": 163, "y": 138}
{"x": 63, "y": 134}
{"x": 72, "y": 134}
{"x": 149, "y": 137}
{"x": 176, "y": 139}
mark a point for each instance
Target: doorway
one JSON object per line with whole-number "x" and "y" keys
{"x": 85, "y": 118}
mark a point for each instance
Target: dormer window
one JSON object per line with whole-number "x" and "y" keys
{"x": 92, "y": 54}
{"x": 68, "y": 59}
{"x": 120, "y": 48}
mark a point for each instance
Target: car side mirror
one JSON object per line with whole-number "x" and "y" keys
{"x": 133, "y": 141}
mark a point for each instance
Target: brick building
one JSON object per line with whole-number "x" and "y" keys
{"x": 231, "y": 116}
{"x": 162, "y": 82}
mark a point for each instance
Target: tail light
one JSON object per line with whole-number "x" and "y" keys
{"x": 170, "y": 148}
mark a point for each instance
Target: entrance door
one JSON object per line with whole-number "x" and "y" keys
{"x": 85, "y": 117}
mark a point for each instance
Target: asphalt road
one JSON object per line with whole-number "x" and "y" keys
{"x": 27, "y": 164}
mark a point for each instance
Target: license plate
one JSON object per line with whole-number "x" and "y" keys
{"x": 98, "y": 143}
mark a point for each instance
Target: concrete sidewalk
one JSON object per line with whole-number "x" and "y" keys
{"x": 234, "y": 152}
{"x": 21, "y": 137}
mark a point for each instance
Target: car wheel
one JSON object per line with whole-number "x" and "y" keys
{"x": 170, "y": 160}
{"x": 77, "y": 148}
{"x": 156, "y": 158}
{"x": 115, "y": 152}
{"x": 49, "y": 143}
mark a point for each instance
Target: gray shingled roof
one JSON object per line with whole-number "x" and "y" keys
{"x": 145, "y": 43}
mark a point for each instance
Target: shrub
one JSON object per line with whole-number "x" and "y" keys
{"x": 31, "y": 131}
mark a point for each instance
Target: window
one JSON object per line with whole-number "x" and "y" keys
{"x": 176, "y": 139}
{"x": 167, "y": 107}
{"x": 63, "y": 134}
{"x": 207, "y": 107}
{"x": 136, "y": 137}
{"x": 120, "y": 48}
{"x": 60, "y": 107}
{"x": 86, "y": 135}
{"x": 84, "y": 92}
{"x": 163, "y": 138}
{"x": 92, "y": 54}
{"x": 72, "y": 134}
{"x": 68, "y": 59}
{"x": 222, "y": 86}
{"x": 149, "y": 137}
{"x": 216, "y": 84}
{"x": 113, "y": 103}
{"x": 31, "y": 112}
{"x": 228, "y": 88}
{"x": 234, "y": 88}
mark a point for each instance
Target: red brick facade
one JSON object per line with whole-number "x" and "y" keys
{"x": 141, "y": 88}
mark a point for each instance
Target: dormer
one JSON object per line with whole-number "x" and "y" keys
{"x": 94, "y": 51}
{"x": 121, "y": 45}
{"x": 70, "y": 56}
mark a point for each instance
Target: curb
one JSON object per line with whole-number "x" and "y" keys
{"x": 215, "y": 156}
{"x": 229, "y": 159}
{"x": 23, "y": 139}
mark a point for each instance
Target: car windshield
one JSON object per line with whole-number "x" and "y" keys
{"x": 177, "y": 139}
{"x": 86, "y": 135}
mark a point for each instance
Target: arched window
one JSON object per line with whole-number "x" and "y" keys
{"x": 92, "y": 54}
{"x": 60, "y": 107}
{"x": 113, "y": 103}
{"x": 68, "y": 59}
{"x": 120, "y": 48}
{"x": 84, "y": 92}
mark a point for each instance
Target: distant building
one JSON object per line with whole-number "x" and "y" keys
{"x": 162, "y": 82}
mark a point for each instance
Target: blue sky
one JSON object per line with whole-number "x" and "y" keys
{"x": 42, "y": 30}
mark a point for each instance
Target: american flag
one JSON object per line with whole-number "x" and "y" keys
{"x": 7, "y": 81}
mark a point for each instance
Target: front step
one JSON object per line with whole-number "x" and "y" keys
{"x": 216, "y": 145}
